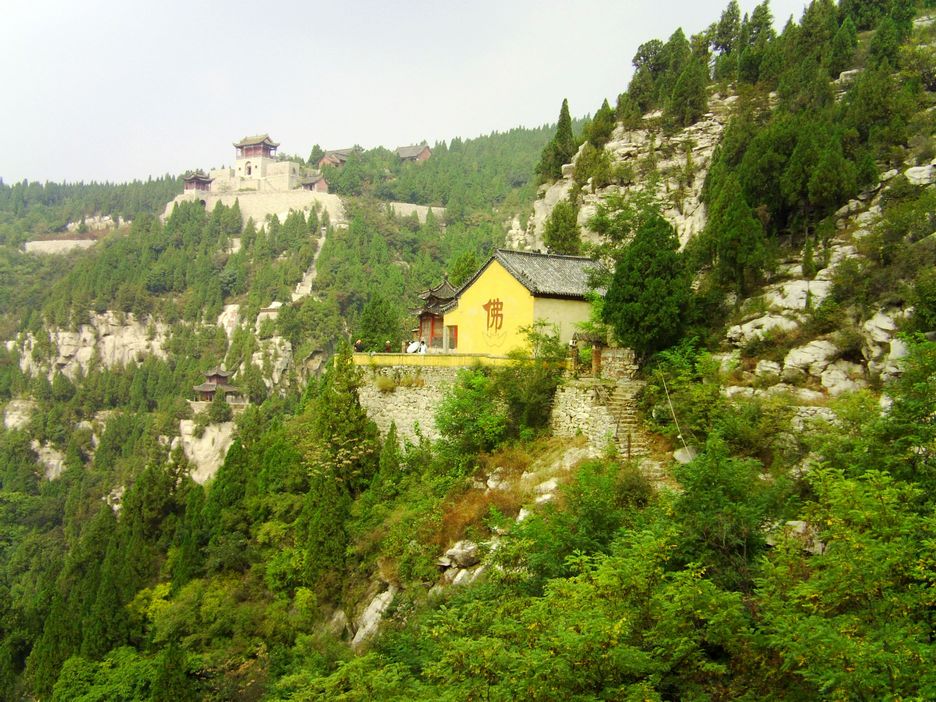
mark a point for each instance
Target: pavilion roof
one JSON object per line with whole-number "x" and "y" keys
{"x": 257, "y": 140}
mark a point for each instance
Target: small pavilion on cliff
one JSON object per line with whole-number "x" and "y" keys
{"x": 216, "y": 380}
{"x": 197, "y": 180}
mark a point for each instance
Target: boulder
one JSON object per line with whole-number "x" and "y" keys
{"x": 842, "y": 377}
{"x": 338, "y": 625}
{"x": 50, "y": 458}
{"x": 464, "y": 554}
{"x": 813, "y": 358}
{"x": 804, "y": 417}
{"x": 755, "y": 329}
{"x": 685, "y": 455}
{"x": 921, "y": 175}
{"x": 767, "y": 370}
{"x": 547, "y": 487}
{"x": 369, "y": 621}
{"x": 733, "y": 391}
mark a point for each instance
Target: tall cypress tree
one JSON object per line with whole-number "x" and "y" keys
{"x": 649, "y": 295}
{"x": 560, "y": 149}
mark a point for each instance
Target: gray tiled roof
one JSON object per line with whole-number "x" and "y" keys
{"x": 411, "y": 151}
{"x": 549, "y": 275}
{"x": 256, "y": 140}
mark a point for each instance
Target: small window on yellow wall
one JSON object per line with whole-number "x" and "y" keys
{"x": 453, "y": 336}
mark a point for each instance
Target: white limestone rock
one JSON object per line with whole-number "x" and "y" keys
{"x": 851, "y": 207}
{"x": 547, "y": 487}
{"x": 768, "y": 371}
{"x": 755, "y": 329}
{"x": 50, "y": 458}
{"x": 805, "y": 417}
{"x": 813, "y": 358}
{"x": 797, "y": 295}
{"x": 921, "y": 175}
{"x": 464, "y": 554}
{"x": 735, "y": 391}
{"x": 17, "y": 413}
{"x": 369, "y": 621}
{"x": 842, "y": 377}
{"x": 274, "y": 359}
{"x": 229, "y": 319}
{"x": 207, "y": 452}
{"x": 685, "y": 455}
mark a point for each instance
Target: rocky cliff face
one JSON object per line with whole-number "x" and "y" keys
{"x": 681, "y": 162}
{"x": 111, "y": 338}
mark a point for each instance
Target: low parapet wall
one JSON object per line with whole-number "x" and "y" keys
{"x": 430, "y": 360}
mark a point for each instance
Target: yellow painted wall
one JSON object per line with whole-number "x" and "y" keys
{"x": 566, "y": 314}
{"x": 474, "y": 334}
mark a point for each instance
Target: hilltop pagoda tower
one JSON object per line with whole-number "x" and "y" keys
{"x": 254, "y": 156}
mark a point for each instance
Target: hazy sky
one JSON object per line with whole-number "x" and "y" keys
{"x": 123, "y": 89}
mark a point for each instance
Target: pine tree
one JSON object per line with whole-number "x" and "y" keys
{"x": 688, "y": 101}
{"x": 560, "y": 233}
{"x": 728, "y": 29}
{"x": 738, "y": 239}
{"x": 649, "y": 296}
{"x": 843, "y": 47}
{"x": 560, "y": 149}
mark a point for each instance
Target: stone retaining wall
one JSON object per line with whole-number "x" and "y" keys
{"x": 406, "y": 395}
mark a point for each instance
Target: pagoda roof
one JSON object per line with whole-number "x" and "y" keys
{"x": 212, "y": 387}
{"x": 443, "y": 291}
{"x": 197, "y": 175}
{"x": 257, "y": 140}
{"x": 218, "y": 370}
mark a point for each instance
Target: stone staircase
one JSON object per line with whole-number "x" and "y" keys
{"x": 622, "y": 404}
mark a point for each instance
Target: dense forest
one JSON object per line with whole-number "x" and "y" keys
{"x": 790, "y": 564}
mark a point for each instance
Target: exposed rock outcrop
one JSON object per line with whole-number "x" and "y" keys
{"x": 18, "y": 413}
{"x": 207, "y": 452}
{"x": 112, "y": 338}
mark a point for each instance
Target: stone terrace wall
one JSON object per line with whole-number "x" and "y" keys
{"x": 602, "y": 410}
{"x": 413, "y": 400}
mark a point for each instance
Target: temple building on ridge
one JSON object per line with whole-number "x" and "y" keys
{"x": 256, "y": 168}
{"x": 262, "y": 182}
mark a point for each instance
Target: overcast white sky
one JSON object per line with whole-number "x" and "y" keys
{"x": 122, "y": 89}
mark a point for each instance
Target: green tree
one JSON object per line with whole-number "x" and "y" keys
{"x": 380, "y": 322}
{"x": 846, "y": 606}
{"x": 561, "y": 233}
{"x": 219, "y": 410}
{"x": 688, "y": 101}
{"x": 884, "y": 44}
{"x": 649, "y": 296}
{"x": 737, "y": 239}
{"x": 469, "y": 416}
{"x": 560, "y": 149}
{"x": 843, "y": 47}
{"x": 728, "y": 29}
